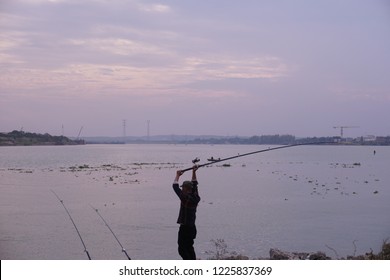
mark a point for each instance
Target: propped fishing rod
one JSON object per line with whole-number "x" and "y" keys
{"x": 123, "y": 249}
{"x": 82, "y": 241}
{"x": 255, "y": 152}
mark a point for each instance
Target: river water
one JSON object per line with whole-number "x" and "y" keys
{"x": 333, "y": 199}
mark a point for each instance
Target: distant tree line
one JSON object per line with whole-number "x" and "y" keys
{"x": 262, "y": 140}
{"x": 288, "y": 140}
{"x": 21, "y": 138}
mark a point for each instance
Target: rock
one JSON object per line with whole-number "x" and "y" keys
{"x": 276, "y": 254}
{"x": 318, "y": 256}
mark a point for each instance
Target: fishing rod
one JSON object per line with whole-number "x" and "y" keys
{"x": 123, "y": 249}
{"x": 251, "y": 153}
{"x": 82, "y": 241}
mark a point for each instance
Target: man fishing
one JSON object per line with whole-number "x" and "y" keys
{"x": 189, "y": 198}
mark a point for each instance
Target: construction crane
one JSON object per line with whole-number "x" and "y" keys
{"x": 342, "y": 129}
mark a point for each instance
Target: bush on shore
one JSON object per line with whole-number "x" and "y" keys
{"x": 221, "y": 252}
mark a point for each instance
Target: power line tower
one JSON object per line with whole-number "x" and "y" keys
{"x": 124, "y": 130}
{"x": 148, "y": 131}
{"x": 78, "y": 135}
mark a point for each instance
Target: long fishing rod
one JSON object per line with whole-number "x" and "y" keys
{"x": 123, "y": 249}
{"x": 251, "y": 153}
{"x": 82, "y": 241}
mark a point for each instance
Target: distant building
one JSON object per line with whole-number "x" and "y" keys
{"x": 383, "y": 140}
{"x": 369, "y": 138}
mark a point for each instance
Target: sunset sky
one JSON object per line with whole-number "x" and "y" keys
{"x": 218, "y": 67}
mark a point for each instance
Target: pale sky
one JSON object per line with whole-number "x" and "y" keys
{"x": 221, "y": 67}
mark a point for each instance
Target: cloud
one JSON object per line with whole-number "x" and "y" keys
{"x": 363, "y": 93}
{"x": 97, "y": 78}
{"x": 154, "y": 8}
{"x": 122, "y": 58}
{"x": 280, "y": 58}
{"x": 221, "y": 67}
{"x": 8, "y": 41}
{"x": 118, "y": 46}
{"x": 42, "y": 1}
{"x": 9, "y": 59}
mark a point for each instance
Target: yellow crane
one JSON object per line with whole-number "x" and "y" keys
{"x": 342, "y": 129}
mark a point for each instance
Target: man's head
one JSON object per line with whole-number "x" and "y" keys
{"x": 187, "y": 186}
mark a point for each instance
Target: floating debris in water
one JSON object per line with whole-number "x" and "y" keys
{"x": 345, "y": 165}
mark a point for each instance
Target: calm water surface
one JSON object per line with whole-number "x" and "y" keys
{"x": 306, "y": 198}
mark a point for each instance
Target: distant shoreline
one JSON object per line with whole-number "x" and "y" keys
{"x": 20, "y": 138}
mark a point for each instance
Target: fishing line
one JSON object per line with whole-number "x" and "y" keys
{"x": 251, "y": 153}
{"x": 82, "y": 241}
{"x": 123, "y": 249}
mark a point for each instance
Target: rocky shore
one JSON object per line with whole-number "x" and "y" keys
{"x": 276, "y": 254}
{"x": 222, "y": 253}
